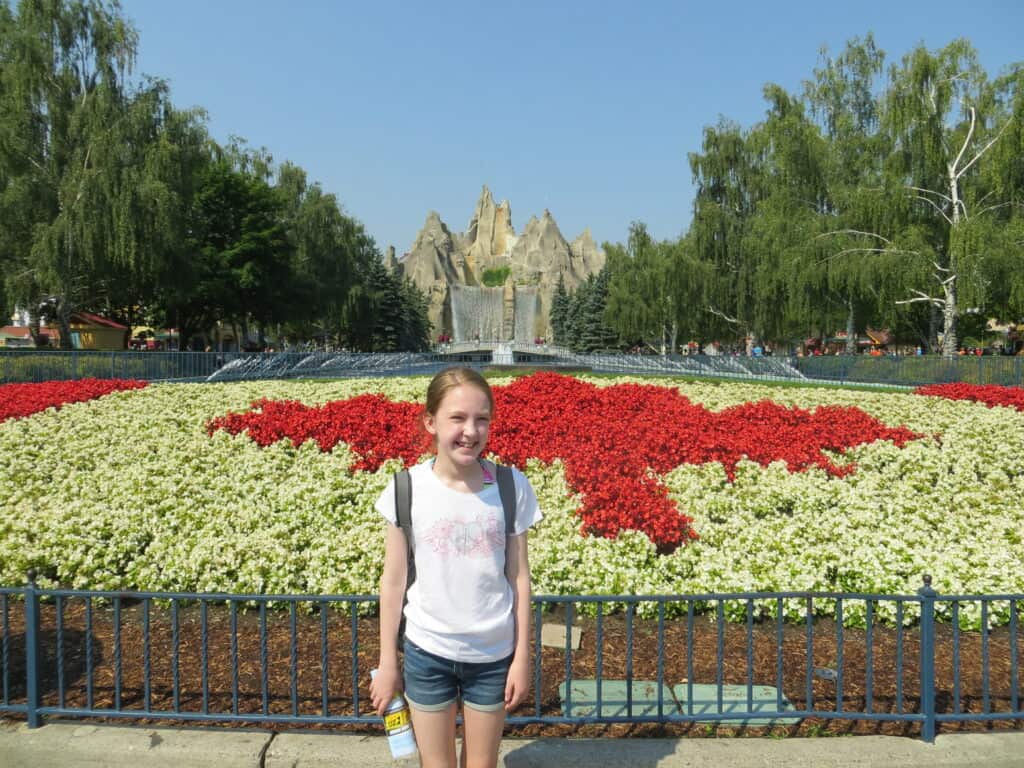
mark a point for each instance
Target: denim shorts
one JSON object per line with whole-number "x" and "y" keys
{"x": 433, "y": 683}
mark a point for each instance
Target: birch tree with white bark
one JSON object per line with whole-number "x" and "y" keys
{"x": 942, "y": 115}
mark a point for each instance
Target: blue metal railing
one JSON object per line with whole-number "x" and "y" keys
{"x": 899, "y": 371}
{"x": 305, "y": 659}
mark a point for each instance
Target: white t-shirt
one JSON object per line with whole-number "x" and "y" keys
{"x": 460, "y": 606}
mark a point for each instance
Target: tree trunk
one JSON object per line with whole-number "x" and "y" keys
{"x": 949, "y": 308}
{"x": 64, "y": 322}
{"x": 933, "y": 328}
{"x": 851, "y": 332}
{"x": 949, "y": 313}
{"x": 34, "y": 323}
{"x": 674, "y": 337}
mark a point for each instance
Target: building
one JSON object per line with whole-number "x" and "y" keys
{"x": 14, "y": 337}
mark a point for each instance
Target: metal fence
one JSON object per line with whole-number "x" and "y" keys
{"x": 899, "y": 371}
{"x": 913, "y": 371}
{"x": 52, "y": 365}
{"x": 305, "y": 660}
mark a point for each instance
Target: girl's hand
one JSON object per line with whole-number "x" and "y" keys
{"x": 517, "y": 685}
{"x": 385, "y": 684}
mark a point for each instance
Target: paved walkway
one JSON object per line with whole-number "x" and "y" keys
{"x": 73, "y": 744}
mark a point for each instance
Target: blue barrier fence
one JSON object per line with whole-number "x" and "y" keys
{"x": 305, "y": 660}
{"x": 47, "y": 365}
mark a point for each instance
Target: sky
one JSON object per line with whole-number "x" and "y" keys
{"x": 584, "y": 108}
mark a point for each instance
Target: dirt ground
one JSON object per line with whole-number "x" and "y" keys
{"x": 961, "y": 682}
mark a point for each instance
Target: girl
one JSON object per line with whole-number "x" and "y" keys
{"x": 468, "y": 612}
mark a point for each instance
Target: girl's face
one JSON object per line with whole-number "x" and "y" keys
{"x": 461, "y": 425}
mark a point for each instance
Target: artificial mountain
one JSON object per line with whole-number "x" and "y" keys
{"x": 460, "y": 272}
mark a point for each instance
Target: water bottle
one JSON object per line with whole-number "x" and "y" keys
{"x": 398, "y": 726}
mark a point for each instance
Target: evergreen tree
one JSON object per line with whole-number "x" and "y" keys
{"x": 415, "y": 329}
{"x": 575, "y": 316}
{"x": 560, "y": 312}
{"x": 383, "y": 312}
{"x": 595, "y": 334}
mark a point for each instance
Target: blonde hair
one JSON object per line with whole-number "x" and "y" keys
{"x": 449, "y": 379}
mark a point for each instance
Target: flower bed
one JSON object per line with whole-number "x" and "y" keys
{"x": 989, "y": 394}
{"x": 612, "y": 440}
{"x": 21, "y": 400}
{"x": 132, "y": 492}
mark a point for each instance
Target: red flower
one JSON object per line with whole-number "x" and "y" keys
{"x": 989, "y": 394}
{"x": 613, "y": 441}
{"x": 21, "y": 400}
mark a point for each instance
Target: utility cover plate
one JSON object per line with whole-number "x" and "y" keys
{"x": 734, "y": 699}
{"x": 613, "y": 699}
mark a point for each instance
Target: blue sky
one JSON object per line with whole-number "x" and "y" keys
{"x": 587, "y": 109}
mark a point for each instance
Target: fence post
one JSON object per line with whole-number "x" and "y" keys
{"x": 32, "y": 650}
{"x": 927, "y": 595}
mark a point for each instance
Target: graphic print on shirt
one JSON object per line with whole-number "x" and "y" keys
{"x": 479, "y": 536}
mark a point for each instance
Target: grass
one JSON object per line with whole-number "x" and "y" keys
{"x": 495, "y": 277}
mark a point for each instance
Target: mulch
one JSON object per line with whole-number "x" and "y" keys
{"x": 836, "y": 653}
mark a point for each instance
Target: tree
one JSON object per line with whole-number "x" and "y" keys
{"x": 1003, "y": 177}
{"x": 384, "y": 312}
{"x": 326, "y": 246}
{"x": 593, "y": 332}
{"x": 654, "y": 291}
{"x": 945, "y": 119}
{"x": 414, "y": 330}
{"x": 87, "y": 199}
{"x": 844, "y": 271}
{"x": 575, "y": 316}
{"x": 727, "y": 175}
{"x": 239, "y": 263}
{"x": 559, "y": 312}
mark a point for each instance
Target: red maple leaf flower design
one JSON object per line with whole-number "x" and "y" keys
{"x": 614, "y": 442}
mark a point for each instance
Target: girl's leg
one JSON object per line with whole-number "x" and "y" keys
{"x": 435, "y": 736}
{"x": 481, "y": 737}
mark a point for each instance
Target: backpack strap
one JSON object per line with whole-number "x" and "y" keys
{"x": 403, "y": 515}
{"x": 507, "y": 491}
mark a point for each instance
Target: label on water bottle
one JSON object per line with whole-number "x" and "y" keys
{"x": 395, "y": 720}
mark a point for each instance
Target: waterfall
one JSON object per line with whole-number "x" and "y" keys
{"x": 526, "y": 315}
{"x": 476, "y": 313}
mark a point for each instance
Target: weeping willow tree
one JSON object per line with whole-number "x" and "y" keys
{"x": 846, "y": 263}
{"x": 653, "y": 290}
{"x": 90, "y": 170}
{"x": 728, "y": 175}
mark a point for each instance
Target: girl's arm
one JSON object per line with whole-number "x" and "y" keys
{"x": 517, "y": 568}
{"x": 388, "y": 681}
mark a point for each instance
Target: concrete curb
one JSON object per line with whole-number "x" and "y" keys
{"x": 67, "y": 744}
{"x": 70, "y": 744}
